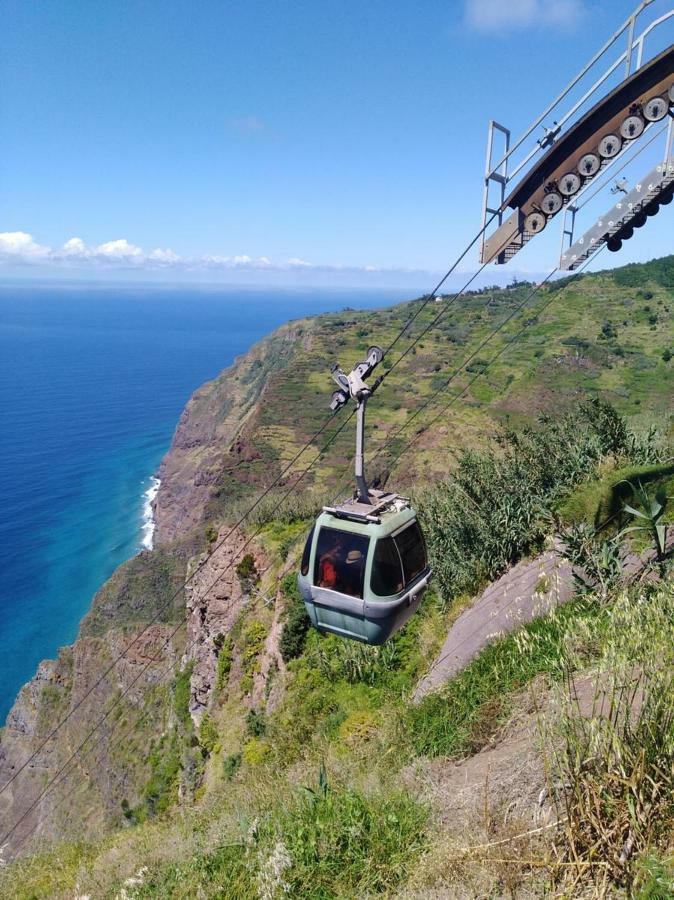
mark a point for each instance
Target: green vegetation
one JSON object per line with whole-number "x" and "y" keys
{"x": 251, "y": 643}
{"x": 150, "y": 584}
{"x": 246, "y": 570}
{"x": 296, "y": 625}
{"x": 497, "y": 506}
{"x": 336, "y": 842}
{"x": 615, "y": 765}
{"x": 234, "y": 808}
{"x": 224, "y": 647}
{"x": 558, "y": 361}
{"x": 172, "y": 761}
{"x": 208, "y": 735}
{"x": 657, "y": 271}
{"x": 460, "y": 718}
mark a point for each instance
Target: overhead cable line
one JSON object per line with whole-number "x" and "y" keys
{"x": 100, "y": 722}
{"x": 166, "y": 605}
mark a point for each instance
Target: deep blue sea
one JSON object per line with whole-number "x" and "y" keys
{"x": 92, "y": 382}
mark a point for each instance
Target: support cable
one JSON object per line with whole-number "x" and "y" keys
{"x": 101, "y": 720}
{"x": 166, "y": 605}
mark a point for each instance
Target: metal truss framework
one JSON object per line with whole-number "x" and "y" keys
{"x": 592, "y": 145}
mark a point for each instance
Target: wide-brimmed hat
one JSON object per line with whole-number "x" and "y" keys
{"x": 354, "y": 556}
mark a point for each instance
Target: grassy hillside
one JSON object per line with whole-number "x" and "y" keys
{"x": 609, "y": 335}
{"x": 312, "y": 773}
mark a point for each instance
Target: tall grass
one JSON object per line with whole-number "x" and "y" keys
{"x": 615, "y": 764}
{"x": 497, "y": 506}
{"x": 337, "y": 842}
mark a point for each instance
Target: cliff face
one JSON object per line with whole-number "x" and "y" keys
{"x": 82, "y": 684}
{"x": 142, "y": 605}
{"x": 205, "y": 443}
{"x": 237, "y": 436}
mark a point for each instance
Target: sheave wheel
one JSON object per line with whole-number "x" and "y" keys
{"x": 569, "y": 184}
{"x": 632, "y": 127}
{"x": 589, "y": 165}
{"x": 609, "y": 146}
{"x": 655, "y": 109}
{"x": 552, "y": 203}
{"x": 534, "y": 222}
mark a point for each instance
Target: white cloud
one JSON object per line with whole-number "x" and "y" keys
{"x": 164, "y": 257}
{"x": 18, "y": 248}
{"x": 17, "y": 245}
{"x": 74, "y": 247}
{"x": 496, "y": 15}
{"x": 119, "y": 249}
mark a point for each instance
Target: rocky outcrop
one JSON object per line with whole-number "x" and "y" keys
{"x": 214, "y": 599}
{"x": 84, "y": 720}
{"x": 101, "y": 714}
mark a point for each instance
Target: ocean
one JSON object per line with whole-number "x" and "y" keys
{"x": 92, "y": 382}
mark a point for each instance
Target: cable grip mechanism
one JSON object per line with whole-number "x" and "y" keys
{"x": 353, "y": 385}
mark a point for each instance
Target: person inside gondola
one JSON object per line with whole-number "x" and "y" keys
{"x": 331, "y": 562}
{"x": 352, "y": 581}
{"x": 341, "y": 562}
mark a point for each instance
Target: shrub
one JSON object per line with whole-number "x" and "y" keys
{"x": 497, "y": 506}
{"x": 336, "y": 842}
{"x": 231, "y": 765}
{"x": 224, "y": 664}
{"x": 161, "y": 789}
{"x": 208, "y": 735}
{"x": 181, "y": 696}
{"x": 253, "y": 642}
{"x": 297, "y": 623}
{"x": 355, "y": 663}
{"x": 255, "y": 752}
{"x": 597, "y": 565}
{"x": 256, "y": 722}
{"x": 247, "y": 573}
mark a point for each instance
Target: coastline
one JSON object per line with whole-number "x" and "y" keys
{"x": 149, "y": 521}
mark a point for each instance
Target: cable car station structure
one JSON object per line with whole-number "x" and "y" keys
{"x": 577, "y": 151}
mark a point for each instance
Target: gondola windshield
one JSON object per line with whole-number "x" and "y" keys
{"x": 340, "y": 561}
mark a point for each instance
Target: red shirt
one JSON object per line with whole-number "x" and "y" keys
{"x": 328, "y": 574}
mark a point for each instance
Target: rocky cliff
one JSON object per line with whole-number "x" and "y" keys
{"x": 90, "y": 685}
{"x": 143, "y": 607}
{"x": 242, "y": 433}
{"x": 210, "y": 441}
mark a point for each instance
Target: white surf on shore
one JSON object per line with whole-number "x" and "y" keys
{"x": 148, "y": 513}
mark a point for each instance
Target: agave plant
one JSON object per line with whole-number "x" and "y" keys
{"x": 649, "y": 516}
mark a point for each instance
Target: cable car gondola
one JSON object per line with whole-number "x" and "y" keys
{"x": 364, "y": 568}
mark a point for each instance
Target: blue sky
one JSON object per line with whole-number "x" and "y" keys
{"x": 308, "y": 142}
